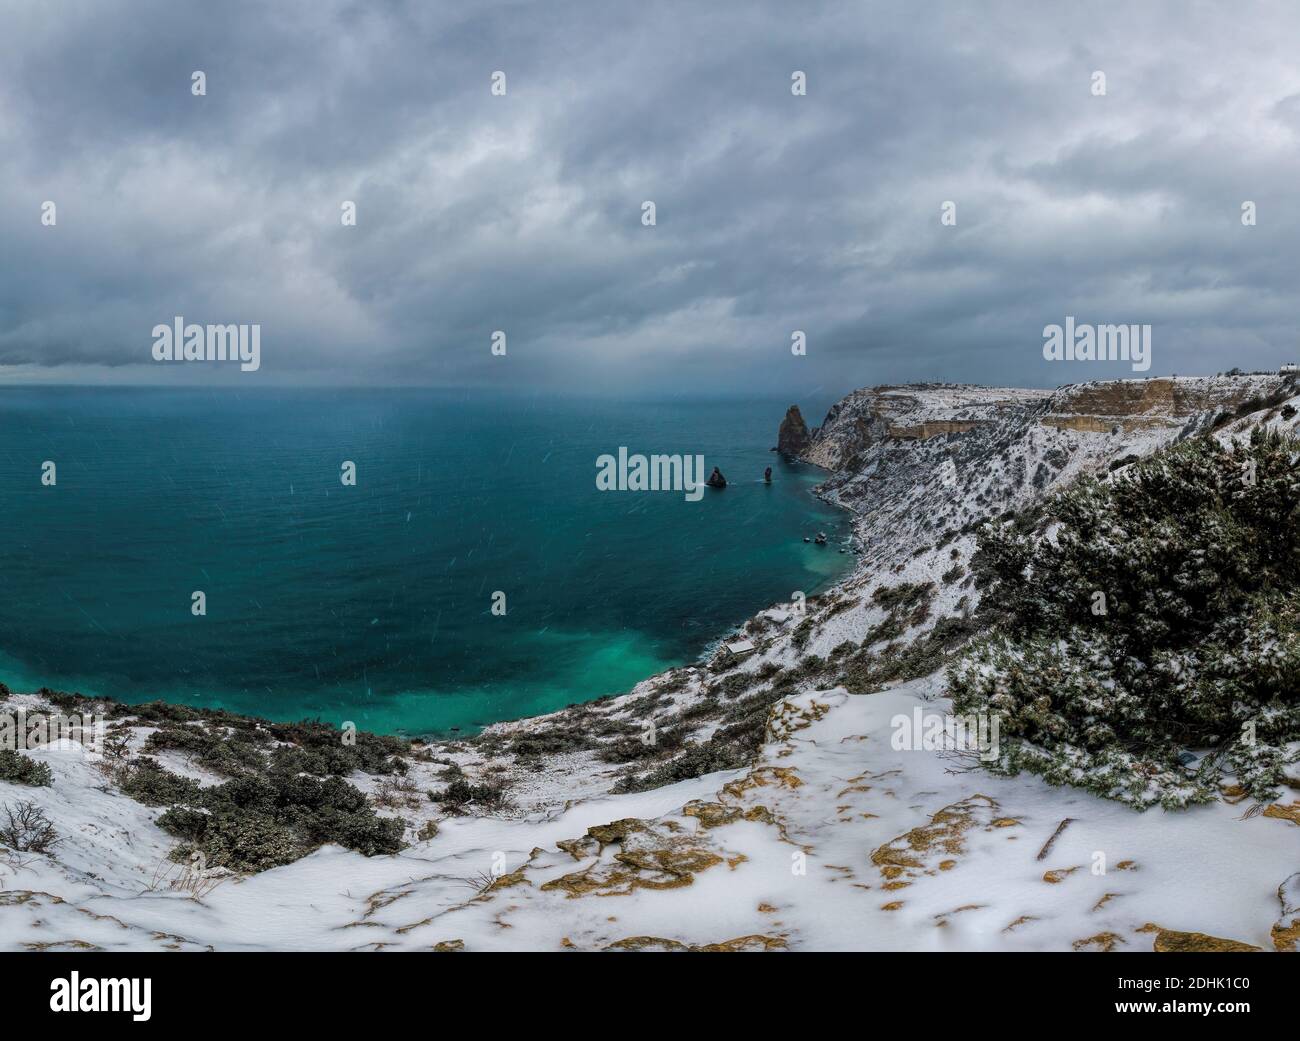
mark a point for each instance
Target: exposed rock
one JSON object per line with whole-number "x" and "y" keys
{"x": 649, "y": 857}
{"x": 1103, "y": 942}
{"x": 754, "y": 942}
{"x": 711, "y": 814}
{"x": 1285, "y": 813}
{"x": 793, "y": 438}
{"x": 1169, "y": 941}
{"x": 1058, "y": 875}
{"x": 904, "y": 859}
{"x": 716, "y": 480}
{"x": 1286, "y": 930}
{"x": 615, "y": 831}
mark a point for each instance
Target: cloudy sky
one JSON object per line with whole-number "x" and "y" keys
{"x": 523, "y": 213}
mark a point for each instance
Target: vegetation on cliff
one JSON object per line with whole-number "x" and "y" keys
{"x": 1160, "y": 613}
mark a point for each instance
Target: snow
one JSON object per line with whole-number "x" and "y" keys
{"x": 834, "y": 792}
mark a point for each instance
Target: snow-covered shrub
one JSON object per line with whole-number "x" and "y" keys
{"x": 1160, "y": 614}
{"x": 147, "y": 782}
{"x": 254, "y": 822}
{"x": 16, "y": 768}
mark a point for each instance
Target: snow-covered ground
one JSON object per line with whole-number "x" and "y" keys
{"x": 832, "y": 840}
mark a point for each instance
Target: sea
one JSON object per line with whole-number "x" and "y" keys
{"x": 474, "y": 572}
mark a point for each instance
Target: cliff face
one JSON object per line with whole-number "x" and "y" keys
{"x": 1170, "y": 397}
{"x": 870, "y": 418}
{"x": 923, "y": 462}
{"x": 793, "y": 438}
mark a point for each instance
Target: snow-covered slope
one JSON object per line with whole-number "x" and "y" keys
{"x": 775, "y": 813}
{"x": 831, "y": 840}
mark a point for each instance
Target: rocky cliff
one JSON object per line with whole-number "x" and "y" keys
{"x": 793, "y": 438}
{"x": 923, "y": 463}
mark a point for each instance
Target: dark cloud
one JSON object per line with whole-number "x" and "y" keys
{"x": 522, "y": 213}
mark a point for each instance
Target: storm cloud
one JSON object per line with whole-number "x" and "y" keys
{"x": 774, "y": 212}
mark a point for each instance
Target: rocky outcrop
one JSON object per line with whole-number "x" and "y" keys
{"x": 1170, "y": 941}
{"x": 1286, "y": 930}
{"x": 1131, "y": 405}
{"x": 870, "y": 423}
{"x": 793, "y": 438}
{"x": 923, "y": 465}
{"x": 874, "y": 417}
{"x": 716, "y": 480}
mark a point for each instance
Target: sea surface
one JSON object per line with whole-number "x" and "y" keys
{"x": 373, "y": 603}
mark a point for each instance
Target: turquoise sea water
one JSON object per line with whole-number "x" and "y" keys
{"x": 373, "y": 603}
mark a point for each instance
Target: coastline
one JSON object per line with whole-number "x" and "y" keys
{"x": 18, "y": 677}
{"x": 694, "y": 791}
{"x": 371, "y": 604}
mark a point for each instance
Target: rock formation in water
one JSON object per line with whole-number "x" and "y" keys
{"x": 716, "y": 480}
{"x": 793, "y": 439}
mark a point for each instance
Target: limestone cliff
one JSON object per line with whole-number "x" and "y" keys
{"x": 922, "y": 462}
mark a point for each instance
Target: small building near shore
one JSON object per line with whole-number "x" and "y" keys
{"x": 737, "y": 650}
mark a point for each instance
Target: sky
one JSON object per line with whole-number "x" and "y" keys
{"x": 775, "y": 212}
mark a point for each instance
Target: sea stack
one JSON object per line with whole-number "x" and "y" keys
{"x": 767, "y": 476}
{"x": 793, "y": 439}
{"x": 716, "y": 480}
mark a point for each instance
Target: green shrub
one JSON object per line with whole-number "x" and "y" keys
{"x": 903, "y": 597}
{"x": 241, "y": 841}
{"x": 461, "y": 793}
{"x": 147, "y": 782}
{"x": 228, "y": 756}
{"x": 251, "y": 823}
{"x": 627, "y": 749}
{"x": 17, "y": 768}
{"x": 1164, "y": 615}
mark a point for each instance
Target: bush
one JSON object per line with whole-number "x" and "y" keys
{"x": 627, "y": 749}
{"x": 323, "y": 747}
{"x": 553, "y": 741}
{"x": 16, "y": 768}
{"x": 1163, "y": 616}
{"x": 904, "y": 597}
{"x": 227, "y": 756}
{"x": 251, "y": 823}
{"x": 240, "y": 841}
{"x": 696, "y": 761}
{"x": 147, "y": 782}
{"x": 26, "y": 829}
{"x": 461, "y": 793}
